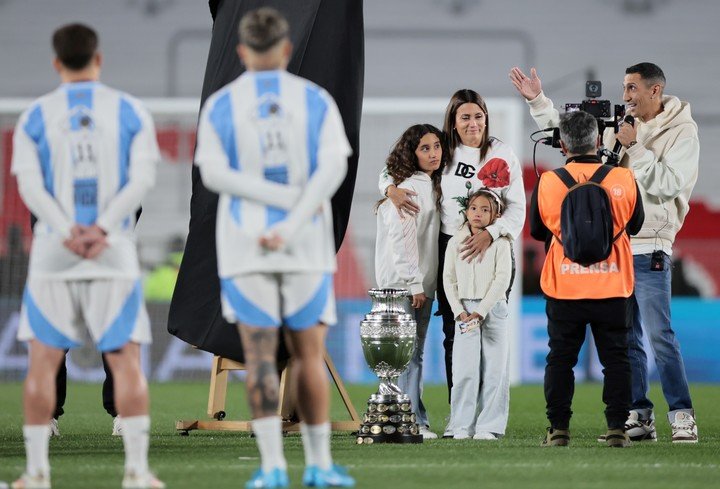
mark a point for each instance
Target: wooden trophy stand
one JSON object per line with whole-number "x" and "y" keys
{"x": 218, "y": 391}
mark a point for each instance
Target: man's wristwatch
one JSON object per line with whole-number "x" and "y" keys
{"x": 631, "y": 144}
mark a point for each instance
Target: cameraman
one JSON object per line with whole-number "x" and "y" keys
{"x": 577, "y": 295}
{"x": 662, "y": 149}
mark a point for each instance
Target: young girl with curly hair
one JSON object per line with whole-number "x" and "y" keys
{"x": 406, "y": 249}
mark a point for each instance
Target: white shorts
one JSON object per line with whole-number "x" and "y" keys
{"x": 113, "y": 311}
{"x": 296, "y": 300}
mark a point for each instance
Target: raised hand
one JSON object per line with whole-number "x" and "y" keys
{"x": 529, "y": 87}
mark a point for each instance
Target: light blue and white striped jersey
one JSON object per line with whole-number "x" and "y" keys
{"x": 273, "y": 146}
{"x": 84, "y": 154}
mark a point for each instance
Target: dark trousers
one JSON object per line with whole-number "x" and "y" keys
{"x": 567, "y": 322}
{"x": 108, "y": 391}
{"x": 445, "y": 311}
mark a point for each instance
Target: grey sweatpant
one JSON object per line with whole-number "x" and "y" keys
{"x": 480, "y": 397}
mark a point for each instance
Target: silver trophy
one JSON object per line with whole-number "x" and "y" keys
{"x": 387, "y": 335}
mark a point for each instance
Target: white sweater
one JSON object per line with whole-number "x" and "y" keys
{"x": 486, "y": 278}
{"x": 665, "y": 163}
{"x": 500, "y": 171}
{"x": 406, "y": 249}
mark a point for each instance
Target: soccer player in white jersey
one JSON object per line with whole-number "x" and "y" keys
{"x": 84, "y": 156}
{"x": 274, "y": 147}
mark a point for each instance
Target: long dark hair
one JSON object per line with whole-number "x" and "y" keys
{"x": 402, "y": 162}
{"x": 465, "y": 96}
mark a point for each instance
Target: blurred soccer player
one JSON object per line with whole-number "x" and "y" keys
{"x": 272, "y": 145}
{"x": 84, "y": 156}
{"x": 328, "y": 49}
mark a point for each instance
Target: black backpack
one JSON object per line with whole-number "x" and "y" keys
{"x": 586, "y": 220}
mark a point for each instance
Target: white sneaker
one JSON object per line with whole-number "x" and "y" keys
{"x": 684, "y": 429}
{"x": 32, "y": 482}
{"x": 144, "y": 481}
{"x": 461, "y": 436}
{"x": 640, "y": 429}
{"x": 484, "y": 435}
{"x": 448, "y": 433}
{"x": 54, "y": 429}
{"x": 426, "y": 433}
{"x": 637, "y": 429}
{"x": 117, "y": 427}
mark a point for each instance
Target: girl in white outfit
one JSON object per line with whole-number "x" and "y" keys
{"x": 406, "y": 250}
{"x": 477, "y": 294}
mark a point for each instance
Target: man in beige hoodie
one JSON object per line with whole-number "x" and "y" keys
{"x": 662, "y": 149}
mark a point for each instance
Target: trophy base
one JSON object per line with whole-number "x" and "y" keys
{"x": 394, "y": 438}
{"x": 389, "y": 419}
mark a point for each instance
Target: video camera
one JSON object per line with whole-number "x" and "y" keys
{"x": 598, "y": 108}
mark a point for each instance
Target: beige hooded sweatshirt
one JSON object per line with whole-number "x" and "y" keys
{"x": 665, "y": 163}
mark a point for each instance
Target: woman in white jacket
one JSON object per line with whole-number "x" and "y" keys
{"x": 406, "y": 249}
{"x": 477, "y": 161}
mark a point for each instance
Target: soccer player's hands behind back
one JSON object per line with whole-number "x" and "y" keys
{"x": 271, "y": 241}
{"x": 87, "y": 241}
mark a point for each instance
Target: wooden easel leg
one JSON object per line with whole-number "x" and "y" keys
{"x": 286, "y": 409}
{"x": 218, "y": 389}
{"x": 341, "y": 388}
{"x": 286, "y": 406}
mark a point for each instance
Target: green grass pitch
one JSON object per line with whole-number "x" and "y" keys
{"x": 86, "y": 456}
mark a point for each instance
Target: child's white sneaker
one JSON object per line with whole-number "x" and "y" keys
{"x": 484, "y": 435}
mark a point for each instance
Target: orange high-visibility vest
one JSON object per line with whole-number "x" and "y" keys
{"x": 613, "y": 277}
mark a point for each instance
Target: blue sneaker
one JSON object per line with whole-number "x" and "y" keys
{"x": 335, "y": 476}
{"x": 268, "y": 480}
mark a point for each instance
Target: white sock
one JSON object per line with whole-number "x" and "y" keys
{"x": 136, "y": 439}
{"x": 316, "y": 443}
{"x": 37, "y": 439}
{"x": 268, "y": 435}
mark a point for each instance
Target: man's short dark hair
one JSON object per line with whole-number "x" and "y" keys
{"x": 579, "y": 132}
{"x": 75, "y": 45}
{"x": 263, "y": 28}
{"x": 649, "y": 72}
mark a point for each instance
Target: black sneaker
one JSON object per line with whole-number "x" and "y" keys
{"x": 617, "y": 438}
{"x": 637, "y": 429}
{"x": 556, "y": 438}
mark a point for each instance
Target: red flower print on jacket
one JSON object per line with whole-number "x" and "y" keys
{"x": 495, "y": 173}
